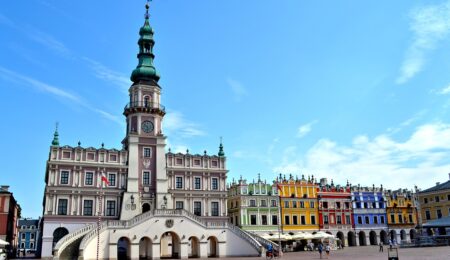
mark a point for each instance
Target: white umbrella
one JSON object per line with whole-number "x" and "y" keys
{"x": 302, "y": 235}
{"x": 321, "y": 234}
{"x": 3, "y": 242}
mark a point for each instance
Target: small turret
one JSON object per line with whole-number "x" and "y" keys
{"x": 221, "y": 152}
{"x": 55, "y": 141}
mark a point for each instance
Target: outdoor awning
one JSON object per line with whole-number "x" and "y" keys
{"x": 441, "y": 222}
{"x": 3, "y": 242}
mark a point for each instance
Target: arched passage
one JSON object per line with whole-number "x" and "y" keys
{"x": 123, "y": 248}
{"x": 351, "y": 238}
{"x": 402, "y": 235}
{"x": 58, "y": 234}
{"x": 412, "y": 234}
{"x": 145, "y": 207}
{"x": 145, "y": 248}
{"x": 393, "y": 235}
{"x": 341, "y": 237}
{"x": 384, "y": 237}
{"x": 170, "y": 245}
{"x": 362, "y": 238}
{"x": 213, "y": 247}
{"x": 373, "y": 238}
{"x": 194, "y": 249}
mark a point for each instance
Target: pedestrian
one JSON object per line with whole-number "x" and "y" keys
{"x": 320, "y": 249}
{"x": 381, "y": 247}
{"x": 390, "y": 243}
{"x": 327, "y": 250}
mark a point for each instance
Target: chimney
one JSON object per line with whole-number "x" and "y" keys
{"x": 4, "y": 188}
{"x": 437, "y": 183}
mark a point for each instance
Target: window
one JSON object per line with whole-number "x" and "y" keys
{"x": 448, "y": 197}
{"x": 312, "y": 204}
{"x": 338, "y": 219}
{"x": 436, "y": 198}
{"x": 427, "y": 215}
{"x": 32, "y": 236}
{"x": 214, "y": 184}
{"x": 382, "y": 219}
{"x": 112, "y": 179}
{"x": 338, "y": 205}
{"x": 31, "y": 245}
{"x": 359, "y": 220}
{"x": 66, "y": 155}
{"x": 273, "y": 203}
{"x": 347, "y": 205}
{"x": 374, "y": 205}
{"x": 264, "y": 219}
{"x": 22, "y": 245}
{"x": 302, "y": 204}
{"x": 23, "y": 235}
{"x": 110, "y": 208}
{"x": 325, "y": 219}
{"x": 214, "y": 163}
{"x": 392, "y": 218}
{"x": 252, "y": 219}
{"x": 400, "y": 218}
{"x": 146, "y": 178}
{"x": 179, "y": 161}
{"x": 179, "y": 205}
{"x": 313, "y": 220}
{"x": 64, "y": 177}
{"x": 113, "y": 158}
{"x": 286, "y": 204}
{"x": 410, "y": 217}
{"x": 302, "y": 220}
{"x": 215, "y": 209}
{"x": 263, "y": 203}
{"x": 439, "y": 213}
{"x": 347, "y": 220}
{"x": 197, "y": 162}
{"x": 89, "y": 178}
{"x": 425, "y": 200}
{"x": 325, "y": 205}
{"x": 197, "y": 208}
{"x": 179, "y": 182}
{"x": 375, "y": 220}
{"x": 197, "y": 183}
{"x": 252, "y": 203}
{"x": 274, "y": 220}
{"x": 62, "y": 207}
{"x": 367, "y": 220}
{"x": 294, "y": 204}
{"x": 147, "y": 152}
{"x": 358, "y": 205}
{"x": 236, "y": 220}
{"x": 287, "y": 220}
{"x": 87, "y": 208}
{"x": 90, "y": 156}
{"x": 294, "y": 220}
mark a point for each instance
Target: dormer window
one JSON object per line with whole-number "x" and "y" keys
{"x": 90, "y": 156}
{"x": 66, "y": 155}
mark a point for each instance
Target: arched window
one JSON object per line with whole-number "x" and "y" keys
{"x": 146, "y": 101}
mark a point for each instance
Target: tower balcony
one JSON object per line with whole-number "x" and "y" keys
{"x": 144, "y": 107}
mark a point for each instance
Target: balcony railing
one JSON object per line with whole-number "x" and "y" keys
{"x": 144, "y": 106}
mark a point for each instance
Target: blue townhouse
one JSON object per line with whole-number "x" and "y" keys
{"x": 369, "y": 215}
{"x": 28, "y": 234}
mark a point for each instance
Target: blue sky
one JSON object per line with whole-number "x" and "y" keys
{"x": 351, "y": 90}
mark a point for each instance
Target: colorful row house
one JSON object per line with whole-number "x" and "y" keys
{"x": 401, "y": 215}
{"x": 299, "y": 208}
{"x": 369, "y": 216}
{"x": 254, "y": 206}
{"x": 335, "y": 209}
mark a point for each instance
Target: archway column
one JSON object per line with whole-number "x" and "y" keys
{"x": 222, "y": 247}
{"x": 113, "y": 251}
{"x": 184, "y": 250}
{"x": 156, "y": 253}
{"x": 203, "y": 249}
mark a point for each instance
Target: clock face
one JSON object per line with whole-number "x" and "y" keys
{"x": 147, "y": 126}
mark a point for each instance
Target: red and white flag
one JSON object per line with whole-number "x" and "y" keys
{"x": 104, "y": 179}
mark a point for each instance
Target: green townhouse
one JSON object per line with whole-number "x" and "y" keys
{"x": 253, "y": 206}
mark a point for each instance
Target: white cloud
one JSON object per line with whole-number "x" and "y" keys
{"x": 49, "y": 41}
{"x": 176, "y": 125}
{"x": 422, "y": 159}
{"x": 429, "y": 25}
{"x": 239, "y": 91}
{"x": 444, "y": 91}
{"x": 107, "y": 74}
{"x": 305, "y": 129}
{"x": 55, "y": 91}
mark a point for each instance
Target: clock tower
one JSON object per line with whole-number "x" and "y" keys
{"x": 147, "y": 183}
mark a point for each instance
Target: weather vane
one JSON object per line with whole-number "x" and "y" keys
{"x": 147, "y": 6}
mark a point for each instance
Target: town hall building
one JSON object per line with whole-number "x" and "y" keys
{"x": 139, "y": 202}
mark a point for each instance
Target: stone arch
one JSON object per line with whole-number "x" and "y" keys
{"x": 145, "y": 248}
{"x": 341, "y": 237}
{"x": 384, "y": 237}
{"x": 412, "y": 234}
{"x": 373, "y": 238}
{"x": 170, "y": 245}
{"x": 351, "y": 237}
{"x": 402, "y": 235}
{"x": 393, "y": 235}
{"x": 145, "y": 207}
{"x": 213, "y": 246}
{"x": 362, "y": 238}
{"x": 194, "y": 249}
{"x": 123, "y": 248}
{"x": 58, "y": 234}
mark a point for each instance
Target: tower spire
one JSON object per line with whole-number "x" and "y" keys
{"x": 145, "y": 70}
{"x": 221, "y": 152}
{"x": 55, "y": 141}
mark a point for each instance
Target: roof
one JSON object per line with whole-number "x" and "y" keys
{"x": 441, "y": 222}
{"x": 28, "y": 222}
{"x": 442, "y": 186}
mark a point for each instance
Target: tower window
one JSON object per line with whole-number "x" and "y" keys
{"x": 87, "y": 208}
{"x": 64, "y": 177}
{"x": 62, "y": 207}
{"x": 197, "y": 208}
{"x": 147, "y": 152}
{"x": 112, "y": 179}
{"x": 146, "y": 101}
{"x": 89, "y": 178}
{"x": 110, "y": 208}
{"x": 146, "y": 178}
{"x": 214, "y": 184}
{"x": 179, "y": 182}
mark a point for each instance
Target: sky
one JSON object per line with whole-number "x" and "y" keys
{"x": 344, "y": 90}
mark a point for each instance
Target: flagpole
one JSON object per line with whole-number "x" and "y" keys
{"x": 99, "y": 217}
{"x": 280, "y": 229}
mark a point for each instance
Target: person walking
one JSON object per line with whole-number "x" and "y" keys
{"x": 327, "y": 250}
{"x": 320, "y": 249}
{"x": 381, "y": 246}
